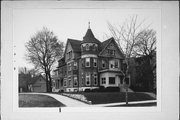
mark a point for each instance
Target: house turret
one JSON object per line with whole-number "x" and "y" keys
{"x": 90, "y": 45}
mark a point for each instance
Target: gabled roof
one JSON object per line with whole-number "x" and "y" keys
{"x": 75, "y": 44}
{"x": 107, "y": 42}
{"x": 90, "y": 38}
{"x": 34, "y": 79}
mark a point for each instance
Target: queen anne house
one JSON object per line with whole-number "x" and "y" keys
{"x": 89, "y": 64}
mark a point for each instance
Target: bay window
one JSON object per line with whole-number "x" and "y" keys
{"x": 103, "y": 80}
{"x": 111, "y": 80}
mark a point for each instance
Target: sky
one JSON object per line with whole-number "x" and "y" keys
{"x": 72, "y": 23}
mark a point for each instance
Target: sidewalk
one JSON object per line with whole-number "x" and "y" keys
{"x": 122, "y": 103}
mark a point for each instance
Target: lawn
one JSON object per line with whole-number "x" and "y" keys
{"x": 32, "y": 100}
{"x": 114, "y": 97}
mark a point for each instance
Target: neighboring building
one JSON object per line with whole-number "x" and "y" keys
{"x": 60, "y": 74}
{"x": 23, "y": 82}
{"x": 89, "y": 64}
{"x": 37, "y": 84}
{"x": 143, "y": 73}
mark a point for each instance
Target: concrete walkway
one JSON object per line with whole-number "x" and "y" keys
{"x": 122, "y": 103}
{"x": 69, "y": 102}
{"x": 63, "y": 99}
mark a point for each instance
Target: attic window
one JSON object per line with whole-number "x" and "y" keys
{"x": 111, "y": 52}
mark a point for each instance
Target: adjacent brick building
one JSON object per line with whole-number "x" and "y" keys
{"x": 89, "y": 64}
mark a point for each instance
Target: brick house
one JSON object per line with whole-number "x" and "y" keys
{"x": 89, "y": 64}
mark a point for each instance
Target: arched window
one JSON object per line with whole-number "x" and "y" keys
{"x": 87, "y": 47}
{"x": 94, "y": 47}
{"x": 88, "y": 78}
{"x": 95, "y": 78}
{"x": 95, "y": 62}
{"x": 87, "y": 62}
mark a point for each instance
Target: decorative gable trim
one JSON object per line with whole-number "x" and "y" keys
{"x": 110, "y": 41}
{"x": 105, "y": 46}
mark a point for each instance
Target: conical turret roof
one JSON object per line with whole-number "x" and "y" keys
{"x": 89, "y": 37}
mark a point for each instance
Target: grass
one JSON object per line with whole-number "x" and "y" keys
{"x": 32, "y": 100}
{"x": 114, "y": 97}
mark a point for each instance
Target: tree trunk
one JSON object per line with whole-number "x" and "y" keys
{"x": 47, "y": 82}
{"x": 50, "y": 81}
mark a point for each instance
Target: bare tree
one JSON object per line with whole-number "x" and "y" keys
{"x": 133, "y": 39}
{"x": 146, "y": 47}
{"x": 146, "y": 43}
{"x": 43, "y": 49}
{"x": 125, "y": 36}
{"x": 22, "y": 70}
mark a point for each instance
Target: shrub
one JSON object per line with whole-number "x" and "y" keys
{"x": 61, "y": 91}
{"x": 112, "y": 89}
{"x": 101, "y": 89}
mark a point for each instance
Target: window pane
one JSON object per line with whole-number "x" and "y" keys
{"x": 103, "y": 80}
{"x": 95, "y": 62}
{"x": 87, "y": 47}
{"x": 111, "y": 80}
{"x": 103, "y": 64}
{"x": 87, "y": 62}
{"x": 116, "y": 63}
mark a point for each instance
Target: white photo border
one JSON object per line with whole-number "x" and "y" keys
{"x": 10, "y": 76}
